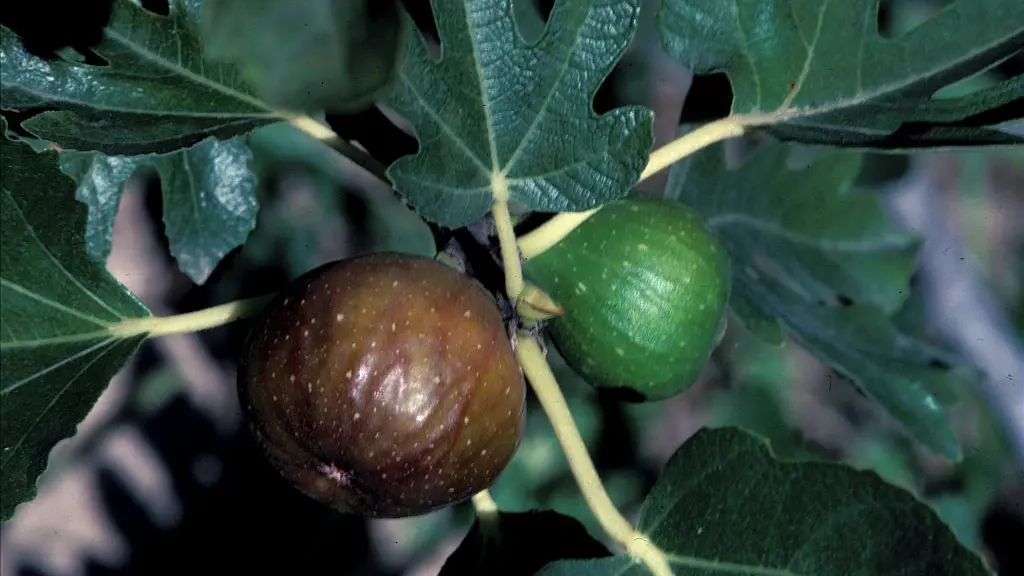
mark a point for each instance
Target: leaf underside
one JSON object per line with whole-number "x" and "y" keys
{"x": 209, "y": 199}
{"x": 819, "y": 71}
{"x": 823, "y": 262}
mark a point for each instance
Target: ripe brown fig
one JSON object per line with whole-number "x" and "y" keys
{"x": 384, "y": 385}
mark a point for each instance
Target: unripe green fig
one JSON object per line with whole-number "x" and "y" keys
{"x": 644, "y": 287}
{"x": 384, "y": 385}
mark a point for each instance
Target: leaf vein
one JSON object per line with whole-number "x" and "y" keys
{"x": 64, "y": 270}
{"x": 850, "y": 245}
{"x": 547, "y": 101}
{"x": 190, "y": 75}
{"x": 8, "y": 453}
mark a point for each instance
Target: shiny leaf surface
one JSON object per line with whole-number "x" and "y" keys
{"x": 208, "y": 199}
{"x": 153, "y": 91}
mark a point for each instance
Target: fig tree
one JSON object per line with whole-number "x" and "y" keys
{"x": 384, "y": 385}
{"x": 644, "y": 287}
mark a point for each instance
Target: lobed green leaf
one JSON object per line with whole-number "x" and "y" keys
{"x": 499, "y": 117}
{"x": 725, "y": 505}
{"x": 153, "y": 93}
{"x": 209, "y": 199}
{"x": 57, "y": 352}
{"x": 819, "y": 71}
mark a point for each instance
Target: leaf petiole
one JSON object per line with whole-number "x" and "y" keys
{"x": 559, "y": 226}
{"x": 545, "y": 386}
{"x": 551, "y": 232}
{"x": 325, "y": 134}
{"x": 487, "y": 511}
{"x": 155, "y": 326}
{"x": 507, "y": 238}
{"x": 484, "y": 504}
{"x": 687, "y": 144}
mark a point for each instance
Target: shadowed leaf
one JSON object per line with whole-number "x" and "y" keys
{"x": 724, "y": 505}
{"x": 824, "y": 262}
{"x": 307, "y": 54}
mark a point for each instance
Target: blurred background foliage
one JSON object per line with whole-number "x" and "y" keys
{"x": 201, "y": 490}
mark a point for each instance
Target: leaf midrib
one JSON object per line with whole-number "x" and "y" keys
{"x": 513, "y": 158}
{"x": 488, "y": 121}
{"x": 783, "y": 114}
{"x": 57, "y": 340}
{"x": 693, "y": 561}
{"x": 729, "y": 567}
{"x": 495, "y": 167}
{"x": 185, "y": 72}
{"x": 53, "y": 304}
{"x": 811, "y": 47}
{"x": 813, "y": 334}
{"x": 175, "y": 68}
{"x": 110, "y": 340}
{"x": 773, "y": 228}
{"x": 11, "y": 451}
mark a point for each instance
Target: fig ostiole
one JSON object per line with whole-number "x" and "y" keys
{"x": 384, "y": 385}
{"x": 644, "y": 287}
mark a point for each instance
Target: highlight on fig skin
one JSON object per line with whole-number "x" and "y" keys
{"x": 384, "y": 385}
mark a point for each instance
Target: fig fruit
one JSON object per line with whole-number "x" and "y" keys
{"x": 644, "y": 286}
{"x": 384, "y": 385}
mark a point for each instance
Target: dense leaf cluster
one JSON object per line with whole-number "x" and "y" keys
{"x": 501, "y": 105}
